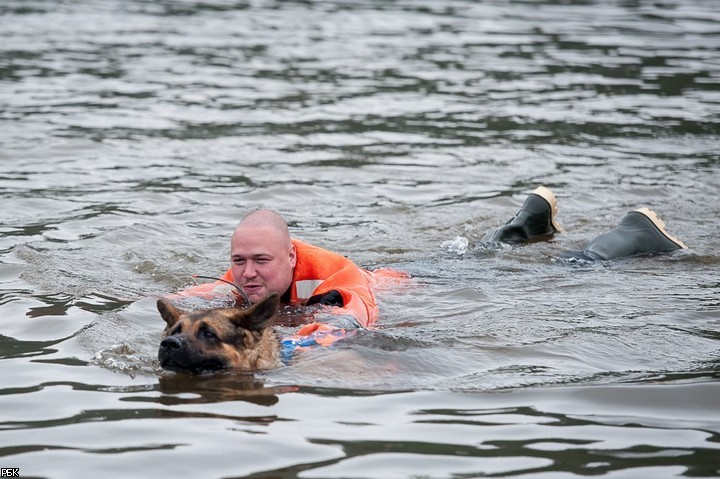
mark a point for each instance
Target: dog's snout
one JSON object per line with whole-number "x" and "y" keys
{"x": 171, "y": 342}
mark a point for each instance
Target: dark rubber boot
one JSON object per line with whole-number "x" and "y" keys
{"x": 535, "y": 221}
{"x": 641, "y": 232}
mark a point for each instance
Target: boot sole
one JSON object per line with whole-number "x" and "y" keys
{"x": 660, "y": 225}
{"x": 549, "y": 196}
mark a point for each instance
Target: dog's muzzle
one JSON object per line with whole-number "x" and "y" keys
{"x": 169, "y": 347}
{"x": 171, "y": 343}
{"x": 176, "y": 354}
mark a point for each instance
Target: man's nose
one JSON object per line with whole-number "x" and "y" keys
{"x": 249, "y": 271}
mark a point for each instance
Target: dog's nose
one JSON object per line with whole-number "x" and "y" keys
{"x": 171, "y": 342}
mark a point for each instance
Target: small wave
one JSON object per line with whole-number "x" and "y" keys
{"x": 124, "y": 357}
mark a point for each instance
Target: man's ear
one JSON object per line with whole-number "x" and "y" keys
{"x": 293, "y": 256}
{"x": 168, "y": 312}
{"x": 259, "y": 316}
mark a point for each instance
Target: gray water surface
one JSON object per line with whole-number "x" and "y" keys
{"x": 135, "y": 134}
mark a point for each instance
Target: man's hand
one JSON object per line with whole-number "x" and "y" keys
{"x": 331, "y": 298}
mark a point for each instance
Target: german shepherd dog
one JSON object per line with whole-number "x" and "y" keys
{"x": 220, "y": 338}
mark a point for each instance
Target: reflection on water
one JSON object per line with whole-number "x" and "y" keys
{"x": 194, "y": 389}
{"x": 135, "y": 135}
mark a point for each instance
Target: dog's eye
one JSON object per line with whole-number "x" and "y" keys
{"x": 207, "y": 334}
{"x": 177, "y": 330}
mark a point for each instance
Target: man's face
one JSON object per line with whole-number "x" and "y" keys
{"x": 262, "y": 262}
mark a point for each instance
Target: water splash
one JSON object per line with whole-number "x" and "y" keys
{"x": 457, "y": 246}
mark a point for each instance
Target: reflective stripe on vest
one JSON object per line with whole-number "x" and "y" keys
{"x": 304, "y": 288}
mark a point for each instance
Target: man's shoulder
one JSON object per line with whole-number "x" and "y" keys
{"x": 307, "y": 248}
{"x": 309, "y": 254}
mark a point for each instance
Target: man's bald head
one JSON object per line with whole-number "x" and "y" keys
{"x": 266, "y": 219}
{"x": 262, "y": 255}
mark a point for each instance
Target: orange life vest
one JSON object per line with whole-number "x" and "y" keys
{"x": 319, "y": 271}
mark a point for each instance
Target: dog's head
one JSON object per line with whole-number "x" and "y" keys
{"x": 220, "y": 338}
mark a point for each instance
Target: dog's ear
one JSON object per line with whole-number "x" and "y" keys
{"x": 168, "y": 312}
{"x": 259, "y": 315}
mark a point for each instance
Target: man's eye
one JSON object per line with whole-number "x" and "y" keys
{"x": 239, "y": 261}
